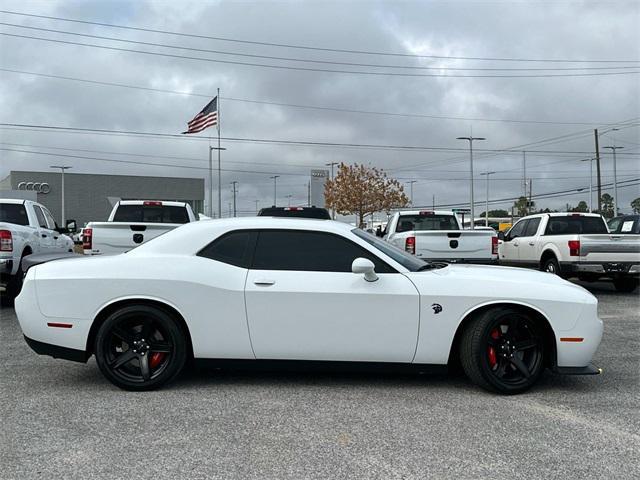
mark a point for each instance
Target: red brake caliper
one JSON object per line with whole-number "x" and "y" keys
{"x": 495, "y": 334}
{"x": 155, "y": 359}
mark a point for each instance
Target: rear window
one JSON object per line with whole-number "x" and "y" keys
{"x": 151, "y": 214}
{"x": 575, "y": 225}
{"x": 296, "y": 212}
{"x": 426, "y": 222}
{"x": 14, "y": 213}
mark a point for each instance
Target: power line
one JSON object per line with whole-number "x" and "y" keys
{"x": 312, "y": 107}
{"x": 308, "y": 47}
{"x": 288, "y": 142}
{"x": 305, "y": 60}
{"x": 309, "y": 69}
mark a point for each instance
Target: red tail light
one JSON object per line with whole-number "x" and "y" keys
{"x": 574, "y": 248}
{"x": 6, "y": 241}
{"x": 87, "y": 239}
{"x": 410, "y": 245}
{"x": 152, "y": 204}
{"x": 494, "y": 245}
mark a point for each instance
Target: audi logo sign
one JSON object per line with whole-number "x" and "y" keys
{"x": 40, "y": 187}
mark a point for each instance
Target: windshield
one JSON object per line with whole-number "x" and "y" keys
{"x": 408, "y": 261}
{"x": 407, "y": 223}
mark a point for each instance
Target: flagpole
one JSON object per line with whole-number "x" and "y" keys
{"x": 219, "y": 169}
{"x": 210, "y": 206}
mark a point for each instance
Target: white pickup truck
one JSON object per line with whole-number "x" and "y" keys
{"x": 573, "y": 245}
{"x": 133, "y": 222}
{"x": 26, "y": 228}
{"x": 436, "y": 235}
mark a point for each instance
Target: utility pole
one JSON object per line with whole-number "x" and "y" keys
{"x": 470, "y": 140}
{"x": 289, "y": 199}
{"x": 411, "y": 182}
{"x": 308, "y": 193}
{"x": 256, "y": 206}
{"x": 433, "y": 205}
{"x": 615, "y": 179}
{"x": 233, "y": 186}
{"x": 486, "y": 212}
{"x": 595, "y": 132}
{"x": 332, "y": 164}
{"x": 63, "y": 219}
{"x": 529, "y": 204}
{"x": 524, "y": 173}
{"x": 275, "y": 188}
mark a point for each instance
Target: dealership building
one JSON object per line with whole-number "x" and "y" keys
{"x": 90, "y": 197}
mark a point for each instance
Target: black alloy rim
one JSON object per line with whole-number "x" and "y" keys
{"x": 514, "y": 349}
{"x": 137, "y": 348}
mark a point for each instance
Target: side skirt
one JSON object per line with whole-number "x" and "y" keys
{"x": 313, "y": 366}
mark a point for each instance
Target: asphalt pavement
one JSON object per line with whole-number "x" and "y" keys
{"x": 64, "y": 420}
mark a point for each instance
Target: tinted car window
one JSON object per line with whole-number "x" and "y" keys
{"x": 231, "y": 248}
{"x": 151, "y": 214}
{"x": 532, "y": 227}
{"x": 407, "y": 260}
{"x": 309, "y": 251}
{"x": 40, "y": 216}
{"x": 517, "y": 230}
{"x": 49, "y": 217}
{"x": 575, "y": 225}
{"x": 426, "y": 222}
{"x": 14, "y": 213}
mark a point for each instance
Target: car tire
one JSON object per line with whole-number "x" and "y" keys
{"x": 14, "y": 285}
{"x": 625, "y": 285}
{"x": 140, "y": 347}
{"x": 551, "y": 265}
{"x": 502, "y": 351}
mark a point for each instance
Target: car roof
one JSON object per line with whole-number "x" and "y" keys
{"x": 417, "y": 212}
{"x": 142, "y": 202}
{"x": 13, "y": 200}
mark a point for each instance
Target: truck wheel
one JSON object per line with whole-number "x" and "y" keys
{"x": 551, "y": 265}
{"x": 140, "y": 347}
{"x": 625, "y": 285}
{"x": 14, "y": 285}
{"x": 502, "y": 351}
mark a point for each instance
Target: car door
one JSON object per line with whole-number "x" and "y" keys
{"x": 46, "y": 238}
{"x": 527, "y": 245}
{"x": 304, "y": 303}
{"x": 59, "y": 243}
{"x": 509, "y": 250}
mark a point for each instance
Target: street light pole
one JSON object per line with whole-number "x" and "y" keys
{"x": 590, "y": 160}
{"x": 289, "y": 199}
{"x": 275, "y": 188}
{"x": 615, "y": 180}
{"x": 63, "y": 219}
{"x": 211, "y": 149}
{"x": 411, "y": 182}
{"x": 470, "y": 140}
{"x": 233, "y": 185}
{"x": 486, "y": 210}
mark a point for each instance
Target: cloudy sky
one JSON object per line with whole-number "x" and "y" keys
{"x": 415, "y": 95}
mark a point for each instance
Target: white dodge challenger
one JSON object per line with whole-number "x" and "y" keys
{"x": 243, "y": 291}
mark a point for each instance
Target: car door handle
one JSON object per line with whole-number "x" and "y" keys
{"x": 264, "y": 282}
{"x": 516, "y": 244}
{"x": 532, "y": 243}
{"x": 44, "y": 235}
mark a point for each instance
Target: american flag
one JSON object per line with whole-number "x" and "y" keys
{"x": 207, "y": 117}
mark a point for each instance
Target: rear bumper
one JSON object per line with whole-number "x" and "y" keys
{"x": 56, "y": 351}
{"x": 6, "y": 266}
{"x": 605, "y": 269}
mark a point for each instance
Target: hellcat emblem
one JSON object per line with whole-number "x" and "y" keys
{"x": 437, "y": 308}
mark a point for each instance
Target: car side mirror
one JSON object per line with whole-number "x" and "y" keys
{"x": 501, "y": 236}
{"x": 364, "y": 266}
{"x": 71, "y": 226}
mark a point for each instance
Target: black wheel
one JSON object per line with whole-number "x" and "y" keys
{"x": 14, "y": 285}
{"x": 551, "y": 265}
{"x": 140, "y": 347}
{"x": 502, "y": 351}
{"x": 625, "y": 285}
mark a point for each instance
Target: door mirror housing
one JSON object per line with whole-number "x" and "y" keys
{"x": 71, "y": 226}
{"x": 501, "y": 236}
{"x": 366, "y": 267}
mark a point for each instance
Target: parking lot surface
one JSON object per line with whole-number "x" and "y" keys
{"x": 64, "y": 420}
